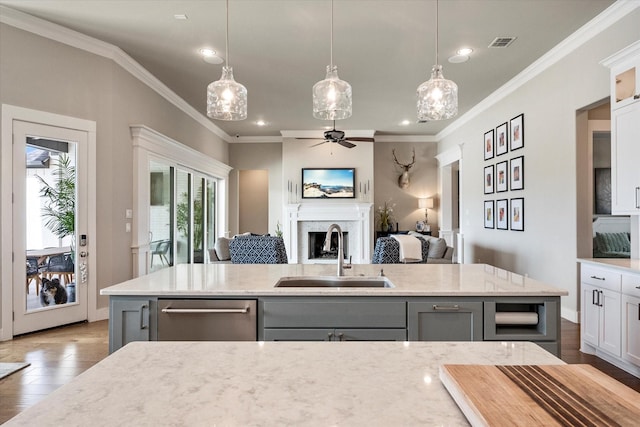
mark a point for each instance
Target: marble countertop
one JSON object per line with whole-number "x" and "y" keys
{"x": 625, "y": 264}
{"x": 259, "y": 280}
{"x": 272, "y": 383}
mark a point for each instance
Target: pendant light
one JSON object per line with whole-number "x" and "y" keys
{"x": 437, "y": 97}
{"x": 332, "y": 96}
{"x": 226, "y": 98}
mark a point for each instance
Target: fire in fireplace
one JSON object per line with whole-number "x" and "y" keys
{"x": 316, "y": 243}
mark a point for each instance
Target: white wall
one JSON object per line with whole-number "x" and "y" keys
{"x": 546, "y": 250}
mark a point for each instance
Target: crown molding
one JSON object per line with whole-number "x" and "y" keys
{"x": 622, "y": 56}
{"x": 369, "y": 133}
{"x": 81, "y": 41}
{"x": 256, "y": 140}
{"x": 604, "y": 20}
{"x": 406, "y": 138}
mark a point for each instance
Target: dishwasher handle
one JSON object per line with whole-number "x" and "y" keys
{"x": 206, "y": 310}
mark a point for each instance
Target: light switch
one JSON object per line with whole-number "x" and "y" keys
{"x": 127, "y": 227}
{"x": 128, "y": 213}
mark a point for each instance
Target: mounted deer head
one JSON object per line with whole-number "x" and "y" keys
{"x": 403, "y": 179}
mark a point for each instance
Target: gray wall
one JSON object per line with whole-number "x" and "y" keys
{"x": 267, "y": 156}
{"x": 546, "y": 250}
{"x": 45, "y": 75}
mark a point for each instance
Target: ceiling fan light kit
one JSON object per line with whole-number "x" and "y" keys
{"x": 437, "y": 97}
{"x": 332, "y": 96}
{"x": 226, "y": 98}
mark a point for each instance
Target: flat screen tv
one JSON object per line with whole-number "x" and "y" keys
{"x": 328, "y": 183}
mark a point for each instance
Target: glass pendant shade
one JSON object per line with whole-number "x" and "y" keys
{"x": 332, "y": 97}
{"x": 226, "y": 98}
{"x": 437, "y": 97}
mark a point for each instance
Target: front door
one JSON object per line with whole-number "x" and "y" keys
{"x": 50, "y": 226}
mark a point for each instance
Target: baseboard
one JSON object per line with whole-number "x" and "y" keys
{"x": 570, "y": 315}
{"x": 99, "y": 314}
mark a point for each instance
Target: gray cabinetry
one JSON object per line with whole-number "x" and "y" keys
{"x": 132, "y": 319}
{"x": 444, "y": 320}
{"x": 334, "y": 319}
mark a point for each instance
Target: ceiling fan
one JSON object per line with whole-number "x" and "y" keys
{"x": 338, "y": 136}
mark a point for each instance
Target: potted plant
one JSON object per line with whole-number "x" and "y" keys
{"x": 59, "y": 208}
{"x": 385, "y": 216}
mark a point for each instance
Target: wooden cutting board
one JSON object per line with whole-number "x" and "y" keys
{"x": 540, "y": 395}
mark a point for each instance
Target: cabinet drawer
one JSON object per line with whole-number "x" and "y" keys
{"x": 600, "y": 277}
{"x": 631, "y": 285}
{"x": 336, "y": 313}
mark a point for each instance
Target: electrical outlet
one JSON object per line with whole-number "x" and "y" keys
{"x": 128, "y": 213}
{"x": 127, "y": 227}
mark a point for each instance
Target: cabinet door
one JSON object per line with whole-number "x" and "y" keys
{"x": 445, "y": 321}
{"x": 631, "y": 329}
{"x": 590, "y": 328}
{"x": 610, "y": 330}
{"x": 625, "y": 152}
{"x": 130, "y": 321}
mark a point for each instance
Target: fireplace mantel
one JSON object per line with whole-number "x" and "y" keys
{"x": 303, "y": 217}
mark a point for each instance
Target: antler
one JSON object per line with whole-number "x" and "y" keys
{"x": 408, "y": 165}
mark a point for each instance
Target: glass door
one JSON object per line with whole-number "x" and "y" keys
{"x": 50, "y": 226}
{"x": 160, "y": 215}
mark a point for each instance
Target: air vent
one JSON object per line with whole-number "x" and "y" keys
{"x": 502, "y": 42}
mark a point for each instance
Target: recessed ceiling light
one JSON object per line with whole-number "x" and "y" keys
{"x": 261, "y": 123}
{"x": 405, "y": 122}
{"x": 210, "y": 56}
{"x": 464, "y": 51}
{"x": 458, "y": 59}
{"x": 181, "y": 16}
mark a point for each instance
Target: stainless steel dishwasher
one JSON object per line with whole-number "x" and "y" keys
{"x": 207, "y": 320}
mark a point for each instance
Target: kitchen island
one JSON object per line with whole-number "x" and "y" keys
{"x": 272, "y": 383}
{"x": 423, "y": 302}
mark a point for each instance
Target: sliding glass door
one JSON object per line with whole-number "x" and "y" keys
{"x": 182, "y": 221}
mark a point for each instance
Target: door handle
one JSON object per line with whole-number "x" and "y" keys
{"x": 206, "y": 310}
{"x": 599, "y": 296}
{"x": 84, "y": 254}
{"x": 142, "y": 325}
{"x": 455, "y": 307}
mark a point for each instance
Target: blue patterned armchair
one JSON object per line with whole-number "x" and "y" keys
{"x": 258, "y": 250}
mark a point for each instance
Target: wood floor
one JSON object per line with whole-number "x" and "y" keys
{"x": 58, "y": 355}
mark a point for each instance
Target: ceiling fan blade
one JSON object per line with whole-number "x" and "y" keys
{"x": 319, "y": 143}
{"x": 345, "y": 143}
{"x": 359, "y": 139}
{"x": 318, "y": 138}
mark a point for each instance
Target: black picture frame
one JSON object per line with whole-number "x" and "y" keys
{"x": 488, "y": 179}
{"x": 488, "y": 144}
{"x": 502, "y": 139}
{"x": 328, "y": 183}
{"x": 516, "y": 214}
{"x": 516, "y": 126}
{"x": 489, "y": 214}
{"x": 502, "y": 214}
{"x": 502, "y": 176}
{"x": 516, "y": 173}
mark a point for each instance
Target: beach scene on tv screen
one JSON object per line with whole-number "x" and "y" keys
{"x": 327, "y": 183}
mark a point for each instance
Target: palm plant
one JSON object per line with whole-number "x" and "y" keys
{"x": 59, "y": 208}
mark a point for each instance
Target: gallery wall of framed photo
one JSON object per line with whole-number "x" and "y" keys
{"x": 504, "y": 175}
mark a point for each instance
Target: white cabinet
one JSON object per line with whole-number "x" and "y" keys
{"x": 625, "y": 152}
{"x": 600, "y": 292}
{"x": 631, "y": 318}
{"x": 625, "y": 131}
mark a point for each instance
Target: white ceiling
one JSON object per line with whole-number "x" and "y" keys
{"x": 280, "y": 48}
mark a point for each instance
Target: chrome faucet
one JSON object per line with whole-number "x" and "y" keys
{"x": 327, "y": 247}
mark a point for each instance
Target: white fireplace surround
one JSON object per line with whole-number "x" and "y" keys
{"x": 301, "y": 218}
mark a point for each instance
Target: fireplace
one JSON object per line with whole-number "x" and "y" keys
{"x": 354, "y": 219}
{"x": 316, "y": 243}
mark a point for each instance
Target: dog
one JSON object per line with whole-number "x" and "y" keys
{"x": 52, "y": 290}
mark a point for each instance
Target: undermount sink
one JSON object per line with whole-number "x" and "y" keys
{"x": 334, "y": 282}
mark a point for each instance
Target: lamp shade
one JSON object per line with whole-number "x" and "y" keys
{"x": 437, "y": 97}
{"x": 332, "y": 97}
{"x": 226, "y": 98}
{"x": 425, "y": 203}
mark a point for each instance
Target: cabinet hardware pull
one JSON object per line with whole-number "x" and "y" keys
{"x": 142, "y": 325}
{"x": 600, "y": 304}
{"x": 446, "y": 308}
{"x": 329, "y": 336}
{"x": 341, "y": 336}
{"x": 639, "y": 311}
{"x": 597, "y": 278}
{"x": 593, "y": 297}
{"x": 637, "y": 287}
{"x": 636, "y": 96}
{"x": 206, "y": 310}
{"x": 637, "y": 205}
